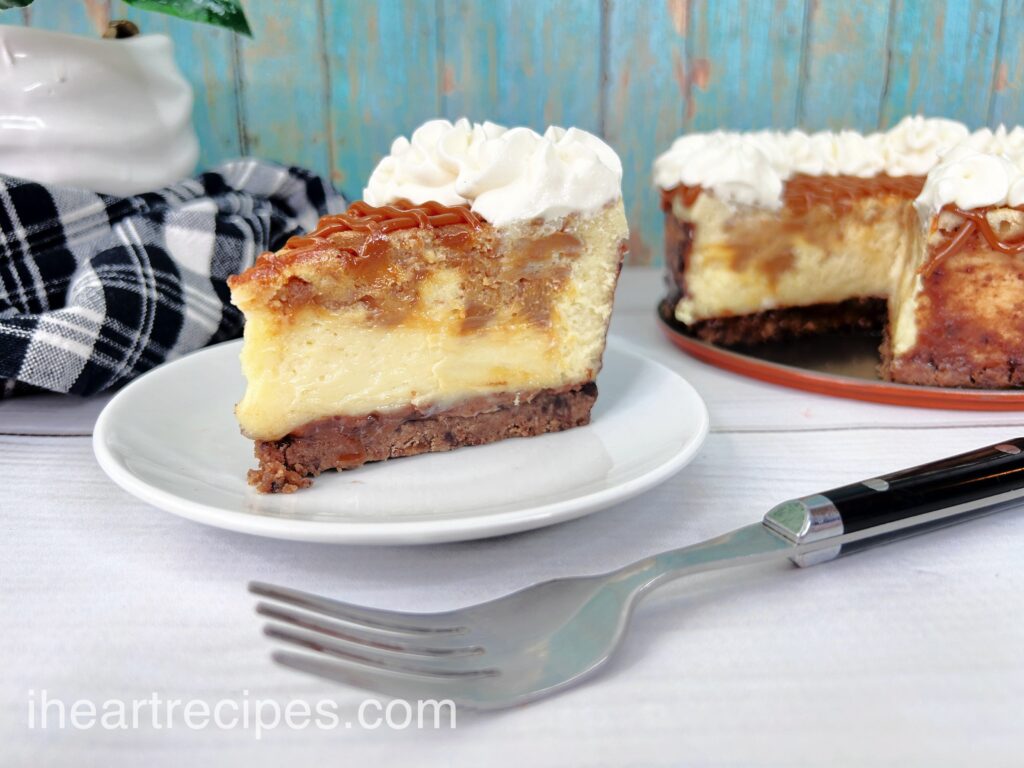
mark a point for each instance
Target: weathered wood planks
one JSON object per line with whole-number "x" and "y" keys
{"x": 383, "y": 68}
{"x": 283, "y": 80}
{"x": 528, "y": 63}
{"x": 1006, "y": 102}
{"x": 845, "y": 73}
{"x": 942, "y": 59}
{"x": 744, "y": 64}
{"x": 329, "y": 83}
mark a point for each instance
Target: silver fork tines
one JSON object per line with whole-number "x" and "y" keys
{"x": 412, "y": 664}
{"x": 495, "y": 654}
{"x": 379, "y": 620}
{"x": 408, "y": 645}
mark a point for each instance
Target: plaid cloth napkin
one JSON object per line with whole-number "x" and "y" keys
{"x": 95, "y": 290}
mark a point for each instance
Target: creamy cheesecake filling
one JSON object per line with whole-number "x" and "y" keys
{"x": 531, "y": 314}
{"x": 906, "y": 286}
{"x": 334, "y": 366}
{"x": 747, "y": 260}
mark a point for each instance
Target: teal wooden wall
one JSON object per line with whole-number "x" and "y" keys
{"x": 328, "y": 83}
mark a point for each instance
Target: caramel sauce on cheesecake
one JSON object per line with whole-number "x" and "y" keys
{"x": 803, "y": 191}
{"x": 685, "y": 193}
{"x": 376, "y": 220}
{"x": 380, "y": 257}
{"x": 975, "y": 225}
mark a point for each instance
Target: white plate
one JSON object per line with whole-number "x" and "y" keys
{"x": 171, "y": 439}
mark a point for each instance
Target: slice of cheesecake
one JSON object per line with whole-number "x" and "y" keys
{"x": 956, "y": 314}
{"x": 466, "y": 299}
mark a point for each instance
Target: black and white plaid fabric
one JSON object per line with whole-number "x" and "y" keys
{"x": 95, "y": 290}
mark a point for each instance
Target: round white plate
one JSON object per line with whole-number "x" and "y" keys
{"x": 171, "y": 439}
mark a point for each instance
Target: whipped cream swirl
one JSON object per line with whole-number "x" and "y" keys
{"x": 915, "y": 144}
{"x": 969, "y": 178}
{"x": 503, "y": 174}
{"x": 738, "y": 168}
{"x": 848, "y": 153}
{"x": 998, "y": 142}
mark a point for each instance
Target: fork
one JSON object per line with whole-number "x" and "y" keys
{"x": 546, "y": 637}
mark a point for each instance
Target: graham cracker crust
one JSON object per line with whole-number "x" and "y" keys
{"x": 290, "y": 463}
{"x": 863, "y": 315}
{"x": 950, "y": 368}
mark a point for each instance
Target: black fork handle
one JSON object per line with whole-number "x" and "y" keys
{"x": 903, "y": 503}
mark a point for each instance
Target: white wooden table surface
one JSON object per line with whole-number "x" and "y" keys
{"x": 904, "y": 655}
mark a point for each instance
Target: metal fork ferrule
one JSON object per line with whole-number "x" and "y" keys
{"x": 804, "y": 521}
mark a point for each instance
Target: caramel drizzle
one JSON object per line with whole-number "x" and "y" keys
{"x": 687, "y": 194}
{"x": 803, "y": 191}
{"x": 975, "y": 220}
{"x": 377, "y": 221}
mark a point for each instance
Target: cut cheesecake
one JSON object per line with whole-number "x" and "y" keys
{"x": 770, "y": 236}
{"x": 429, "y": 317}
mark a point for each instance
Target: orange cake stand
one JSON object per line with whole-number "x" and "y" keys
{"x": 836, "y": 366}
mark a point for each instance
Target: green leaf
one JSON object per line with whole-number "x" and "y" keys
{"x": 220, "y": 13}
{"x": 6, "y": 4}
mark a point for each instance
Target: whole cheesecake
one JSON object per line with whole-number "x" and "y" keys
{"x": 464, "y": 300}
{"x": 912, "y": 232}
